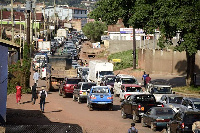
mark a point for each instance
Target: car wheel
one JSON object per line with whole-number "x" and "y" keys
{"x": 79, "y": 100}
{"x": 153, "y": 128}
{"x": 60, "y": 94}
{"x": 74, "y": 98}
{"x": 63, "y": 95}
{"x": 135, "y": 117}
{"x": 111, "y": 107}
{"x": 90, "y": 108}
{"x": 123, "y": 113}
{"x": 168, "y": 129}
{"x": 142, "y": 122}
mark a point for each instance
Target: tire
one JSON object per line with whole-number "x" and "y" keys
{"x": 142, "y": 122}
{"x": 111, "y": 107}
{"x": 153, "y": 128}
{"x": 60, "y": 94}
{"x": 74, "y": 98}
{"x": 135, "y": 117}
{"x": 90, "y": 108}
{"x": 79, "y": 100}
{"x": 168, "y": 130}
{"x": 123, "y": 114}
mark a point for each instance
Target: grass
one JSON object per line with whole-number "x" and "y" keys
{"x": 126, "y": 59}
{"x": 188, "y": 90}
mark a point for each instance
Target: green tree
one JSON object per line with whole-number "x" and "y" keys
{"x": 172, "y": 16}
{"x": 94, "y": 30}
{"x": 169, "y": 16}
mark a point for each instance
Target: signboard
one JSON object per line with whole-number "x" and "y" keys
{"x": 116, "y": 60}
{"x": 130, "y": 30}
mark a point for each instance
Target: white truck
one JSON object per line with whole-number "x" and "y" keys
{"x": 44, "y": 46}
{"x": 99, "y": 68}
{"x": 62, "y": 33}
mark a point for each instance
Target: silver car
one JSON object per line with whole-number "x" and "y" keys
{"x": 80, "y": 93}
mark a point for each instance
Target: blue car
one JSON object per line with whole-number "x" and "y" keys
{"x": 100, "y": 96}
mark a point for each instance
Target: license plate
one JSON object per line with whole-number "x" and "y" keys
{"x": 84, "y": 93}
{"x": 101, "y": 102}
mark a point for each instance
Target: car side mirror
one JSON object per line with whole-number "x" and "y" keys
{"x": 173, "y": 92}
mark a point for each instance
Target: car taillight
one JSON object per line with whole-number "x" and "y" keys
{"x": 182, "y": 125}
{"x": 139, "y": 107}
{"x": 162, "y": 105}
{"x": 92, "y": 97}
{"x": 80, "y": 92}
{"x": 110, "y": 97}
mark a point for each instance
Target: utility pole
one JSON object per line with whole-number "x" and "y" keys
{"x": 44, "y": 19}
{"x": 20, "y": 39}
{"x": 28, "y": 9}
{"x": 1, "y": 20}
{"x": 134, "y": 50}
{"x": 12, "y": 20}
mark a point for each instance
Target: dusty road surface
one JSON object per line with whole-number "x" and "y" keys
{"x": 64, "y": 111}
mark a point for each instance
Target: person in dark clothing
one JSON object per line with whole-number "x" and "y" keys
{"x": 34, "y": 93}
{"x": 43, "y": 95}
{"x": 144, "y": 78}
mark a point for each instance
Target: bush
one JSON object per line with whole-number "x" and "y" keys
{"x": 126, "y": 59}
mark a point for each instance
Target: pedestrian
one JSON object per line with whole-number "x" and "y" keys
{"x": 43, "y": 96}
{"x": 34, "y": 93}
{"x": 18, "y": 92}
{"x": 36, "y": 77}
{"x": 132, "y": 129}
{"x": 148, "y": 80}
{"x": 144, "y": 78}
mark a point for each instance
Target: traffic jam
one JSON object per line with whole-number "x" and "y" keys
{"x": 94, "y": 83}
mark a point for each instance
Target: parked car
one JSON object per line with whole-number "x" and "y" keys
{"x": 108, "y": 80}
{"x": 173, "y": 101}
{"x": 123, "y": 79}
{"x": 190, "y": 104}
{"x": 100, "y": 96}
{"x": 182, "y": 122}
{"x": 137, "y": 105}
{"x": 157, "y": 117}
{"x": 81, "y": 91}
{"x": 129, "y": 89}
{"x": 68, "y": 87}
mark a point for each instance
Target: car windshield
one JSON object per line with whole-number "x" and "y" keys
{"x": 133, "y": 89}
{"x": 162, "y": 90}
{"x": 102, "y": 73}
{"x": 144, "y": 98}
{"x": 100, "y": 90}
{"x": 73, "y": 81}
{"x": 177, "y": 100}
{"x": 197, "y": 105}
{"x": 128, "y": 81}
{"x": 190, "y": 118}
{"x": 87, "y": 86}
{"x": 164, "y": 111}
{"x": 110, "y": 79}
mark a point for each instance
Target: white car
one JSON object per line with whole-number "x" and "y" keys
{"x": 129, "y": 89}
{"x": 123, "y": 79}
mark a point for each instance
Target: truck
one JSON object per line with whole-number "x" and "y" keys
{"x": 62, "y": 33}
{"x": 60, "y": 69}
{"x": 44, "y": 46}
{"x": 99, "y": 68}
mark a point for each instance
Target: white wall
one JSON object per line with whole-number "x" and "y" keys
{"x": 3, "y": 79}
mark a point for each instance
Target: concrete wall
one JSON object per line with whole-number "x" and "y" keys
{"x": 3, "y": 79}
{"x": 165, "y": 62}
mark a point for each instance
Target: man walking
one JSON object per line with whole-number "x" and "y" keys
{"x": 144, "y": 78}
{"x": 43, "y": 95}
{"x": 34, "y": 93}
{"x": 35, "y": 77}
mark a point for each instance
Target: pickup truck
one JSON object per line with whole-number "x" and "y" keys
{"x": 100, "y": 96}
{"x": 137, "y": 105}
